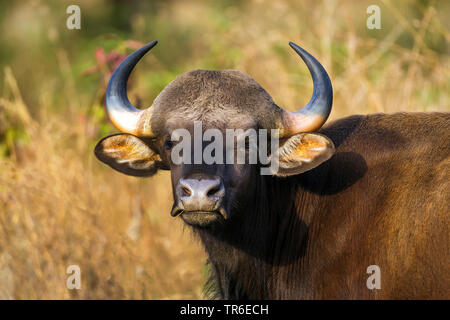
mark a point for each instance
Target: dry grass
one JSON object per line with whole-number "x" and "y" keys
{"x": 60, "y": 206}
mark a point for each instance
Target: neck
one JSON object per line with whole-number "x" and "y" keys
{"x": 248, "y": 254}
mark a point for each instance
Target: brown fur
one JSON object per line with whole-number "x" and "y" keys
{"x": 215, "y": 96}
{"x": 382, "y": 199}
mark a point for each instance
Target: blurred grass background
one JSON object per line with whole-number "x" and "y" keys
{"x": 60, "y": 206}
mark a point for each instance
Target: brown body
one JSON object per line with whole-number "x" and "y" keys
{"x": 382, "y": 199}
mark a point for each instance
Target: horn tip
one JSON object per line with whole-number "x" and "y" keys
{"x": 297, "y": 48}
{"x": 152, "y": 44}
{"x": 292, "y": 44}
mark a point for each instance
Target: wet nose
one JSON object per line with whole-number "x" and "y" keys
{"x": 200, "y": 194}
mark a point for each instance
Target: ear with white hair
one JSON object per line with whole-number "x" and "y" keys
{"x": 128, "y": 154}
{"x": 303, "y": 152}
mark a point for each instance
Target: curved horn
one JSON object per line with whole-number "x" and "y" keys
{"x": 315, "y": 113}
{"x": 121, "y": 112}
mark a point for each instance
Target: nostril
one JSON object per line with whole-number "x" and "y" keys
{"x": 185, "y": 191}
{"x": 213, "y": 191}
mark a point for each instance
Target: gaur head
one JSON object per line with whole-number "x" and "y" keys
{"x": 211, "y": 103}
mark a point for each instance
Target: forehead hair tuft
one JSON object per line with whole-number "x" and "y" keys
{"x": 214, "y": 96}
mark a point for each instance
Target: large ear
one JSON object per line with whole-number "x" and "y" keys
{"x": 128, "y": 154}
{"x": 303, "y": 152}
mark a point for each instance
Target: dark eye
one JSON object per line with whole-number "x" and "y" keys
{"x": 168, "y": 144}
